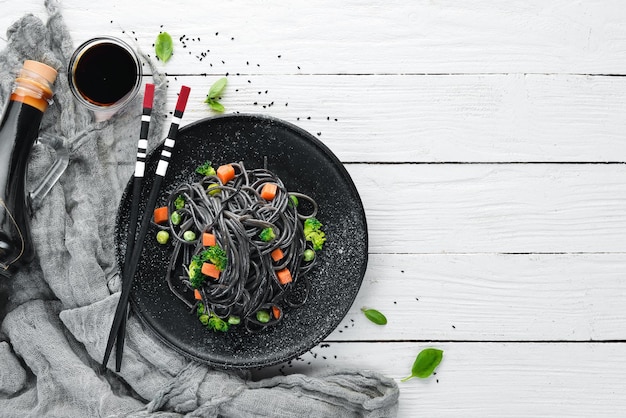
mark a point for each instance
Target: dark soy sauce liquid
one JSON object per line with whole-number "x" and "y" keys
{"x": 105, "y": 73}
{"x": 18, "y": 130}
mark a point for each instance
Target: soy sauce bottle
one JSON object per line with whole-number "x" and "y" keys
{"x": 19, "y": 128}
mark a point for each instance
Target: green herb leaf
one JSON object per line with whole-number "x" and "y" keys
{"x": 374, "y": 316}
{"x": 214, "y": 94}
{"x": 217, "y": 88}
{"x": 425, "y": 364}
{"x": 164, "y": 47}
{"x": 216, "y": 106}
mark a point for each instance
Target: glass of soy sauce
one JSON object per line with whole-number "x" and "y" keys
{"x": 104, "y": 75}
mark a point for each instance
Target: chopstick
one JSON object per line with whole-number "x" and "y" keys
{"x": 140, "y": 168}
{"x": 161, "y": 170}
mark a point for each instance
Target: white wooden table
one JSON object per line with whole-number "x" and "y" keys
{"x": 487, "y": 141}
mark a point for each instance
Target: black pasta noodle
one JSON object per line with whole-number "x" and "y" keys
{"x": 235, "y": 213}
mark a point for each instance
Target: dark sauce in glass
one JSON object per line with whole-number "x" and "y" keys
{"x": 18, "y": 131}
{"x": 105, "y": 73}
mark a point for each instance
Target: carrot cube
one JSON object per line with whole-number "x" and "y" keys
{"x": 284, "y": 276}
{"x": 277, "y": 254}
{"x": 268, "y": 192}
{"x": 226, "y": 173}
{"x": 197, "y": 295}
{"x": 208, "y": 240}
{"x": 161, "y": 215}
{"x": 210, "y": 270}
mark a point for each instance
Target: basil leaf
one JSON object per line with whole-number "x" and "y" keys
{"x": 164, "y": 46}
{"x": 374, "y": 316}
{"x": 216, "y": 106}
{"x": 217, "y": 88}
{"x": 425, "y": 364}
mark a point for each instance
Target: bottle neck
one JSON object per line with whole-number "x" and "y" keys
{"x": 33, "y": 90}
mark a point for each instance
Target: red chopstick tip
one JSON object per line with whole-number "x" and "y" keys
{"x": 182, "y": 98}
{"x": 148, "y": 97}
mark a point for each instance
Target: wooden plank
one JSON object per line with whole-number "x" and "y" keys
{"x": 477, "y": 208}
{"x": 408, "y": 118}
{"x": 365, "y": 37}
{"x": 493, "y": 208}
{"x": 488, "y": 379}
{"x": 490, "y": 297}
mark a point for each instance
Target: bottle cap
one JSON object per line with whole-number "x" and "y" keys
{"x": 42, "y": 69}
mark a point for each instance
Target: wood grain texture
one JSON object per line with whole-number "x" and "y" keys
{"x": 487, "y": 142}
{"x": 488, "y": 379}
{"x": 396, "y": 36}
{"x": 429, "y": 118}
{"x": 490, "y": 297}
{"x": 478, "y": 36}
{"x": 493, "y": 208}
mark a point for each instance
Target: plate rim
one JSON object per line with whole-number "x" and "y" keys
{"x": 250, "y": 363}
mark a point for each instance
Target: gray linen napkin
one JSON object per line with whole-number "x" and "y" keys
{"x": 56, "y": 313}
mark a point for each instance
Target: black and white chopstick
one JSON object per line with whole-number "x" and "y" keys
{"x": 161, "y": 170}
{"x": 140, "y": 168}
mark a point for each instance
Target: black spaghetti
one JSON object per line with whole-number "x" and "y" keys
{"x": 241, "y": 246}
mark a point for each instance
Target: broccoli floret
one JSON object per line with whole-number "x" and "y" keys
{"x": 206, "y": 169}
{"x": 196, "y": 278}
{"x": 200, "y": 309}
{"x": 210, "y": 320}
{"x": 214, "y": 255}
{"x": 179, "y": 202}
{"x": 267, "y": 234}
{"x": 217, "y": 324}
{"x": 313, "y": 233}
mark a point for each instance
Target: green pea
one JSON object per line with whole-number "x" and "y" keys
{"x": 234, "y": 320}
{"x": 163, "y": 237}
{"x": 176, "y": 218}
{"x": 263, "y": 316}
{"x": 308, "y": 255}
{"x": 189, "y": 236}
{"x": 213, "y": 189}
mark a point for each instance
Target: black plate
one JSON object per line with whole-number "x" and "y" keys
{"x": 305, "y": 165}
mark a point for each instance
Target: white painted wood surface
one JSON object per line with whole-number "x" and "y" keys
{"x": 487, "y": 142}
